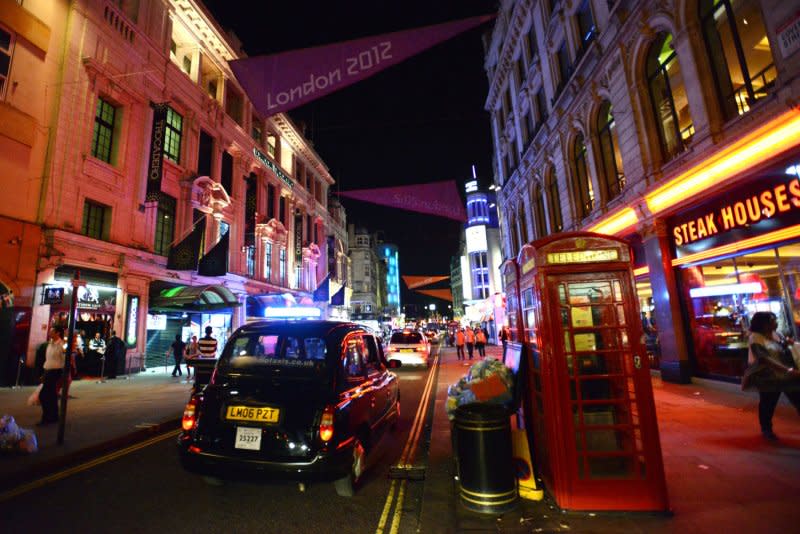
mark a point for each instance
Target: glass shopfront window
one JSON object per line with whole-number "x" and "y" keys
{"x": 723, "y": 296}
{"x": 644, "y": 292}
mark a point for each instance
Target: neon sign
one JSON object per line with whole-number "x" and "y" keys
{"x": 583, "y": 256}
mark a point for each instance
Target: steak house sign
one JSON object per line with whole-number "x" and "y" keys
{"x": 768, "y": 203}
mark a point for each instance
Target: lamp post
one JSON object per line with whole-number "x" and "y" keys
{"x": 65, "y": 374}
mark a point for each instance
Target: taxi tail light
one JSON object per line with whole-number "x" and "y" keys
{"x": 189, "y": 421}
{"x": 326, "y": 424}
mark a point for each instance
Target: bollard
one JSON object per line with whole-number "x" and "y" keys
{"x": 484, "y": 458}
{"x": 19, "y": 372}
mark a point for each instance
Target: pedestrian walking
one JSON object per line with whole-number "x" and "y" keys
{"x": 178, "y": 348}
{"x": 460, "y": 339}
{"x": 773, "y": 376}
{"x": 115, "y": 352}
{"x": 192, "y": 352}
{"x": 504, "y": 340}
{"x": 207, "y": 344}
{"x": 53, "y": 368}
{"x": 470, "y": 340}
{"x": 480, "y": 342}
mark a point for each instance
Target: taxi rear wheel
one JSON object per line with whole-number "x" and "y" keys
{"x": 346, "y": 486}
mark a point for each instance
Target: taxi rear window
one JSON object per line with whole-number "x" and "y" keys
{"x": 406, "y": 338}
{"x": 257, "y": 350}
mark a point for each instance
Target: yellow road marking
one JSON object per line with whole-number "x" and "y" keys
{"x": 407, "y": 457}
{"x": 84, "y": 466}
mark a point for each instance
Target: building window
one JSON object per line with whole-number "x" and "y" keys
{"x": 234, "y": 105}
{"x": 523, "y": 226}
{"x": 529, "y": 127}
{"x": 250, "y": 259}
{"x": 96, "y": 220}
{"x": 172, "y": 135}
{"x": 610, "y": 153}
{"x": 582, "y": 184}
{"x": 553, "y": 202}
{"x": 282, "y": 210}
{"x": 564, "y": 68}
{"x": 668, "y": 96}
{"x": 270, "y": 201}
{"x": 6, "y": 51}
{"x": 272, "y": 143}
{"x": 533, "y": 45}
{"x": 165, "y": 225}
{"x": 256, "y": 132}
{"x": 739, "y": 53}
{"x": 586, "y": 27}
{"x": 541, "y": 106}
{"x": 540, "y": 225}
{"x": 520, "y": 68}
{"x": 267, "y": 261}
{"x": 104, "y": 129}
{"x": 282, "y": 266}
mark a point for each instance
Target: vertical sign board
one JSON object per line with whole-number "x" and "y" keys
{"x": 298, "y": 239}
{"x": 131, "y": 320}
{"x": 156, "y": 158}
{"x": 331, "y": 255}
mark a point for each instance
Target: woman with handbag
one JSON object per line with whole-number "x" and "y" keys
{"x": 767, "y": 373}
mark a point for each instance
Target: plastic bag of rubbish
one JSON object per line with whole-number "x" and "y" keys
{"x": 10, "y": 433}
{"x": 28, "y": 444}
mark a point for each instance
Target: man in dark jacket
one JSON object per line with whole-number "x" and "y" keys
{"x": 115, "y": 353}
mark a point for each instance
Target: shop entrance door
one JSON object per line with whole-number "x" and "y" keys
{"x": 609, "y": 433}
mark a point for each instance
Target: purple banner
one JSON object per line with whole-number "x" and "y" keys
{"x": 279, "y": 82}
{"x": 439, "y": 198}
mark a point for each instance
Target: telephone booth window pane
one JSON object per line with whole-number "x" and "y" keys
{"x": 589, "y": 292}
{"x": 567, "y": 343}
{"x": 624, "y": 335}
{"x": 527, "y": 298}
{"x": 617, "y": 290}
{"x": 562, "y": 294}
{"x": 585, "y": 342}
{"x": 621, "y": 315}
{"x": 611, "y": 467}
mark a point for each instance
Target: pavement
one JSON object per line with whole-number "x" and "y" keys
{"x": 721, "y": 475}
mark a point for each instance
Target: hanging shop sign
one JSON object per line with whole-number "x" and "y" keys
{"x": 131, "y": 320}
{"x": 765, "y": 204}
{"x": 298, "y": 238}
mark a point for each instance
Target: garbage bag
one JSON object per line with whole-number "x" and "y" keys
{"x": 28, "y": 444}
{"x": 10, "y": 433}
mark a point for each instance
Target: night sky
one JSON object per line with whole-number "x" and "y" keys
{"x": 416, "y": 122}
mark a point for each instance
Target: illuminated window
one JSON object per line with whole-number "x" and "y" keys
{"x": 739, "y": 53}
{"x": 611, "y": 156}
{"x": 272, "y": 144}
{"x": 582, "y": 184}
{"x": 540, "y": 225}
{"x": 172, "y": 135}
{"x": 268, "y": 261}
{"x": 553, "y": 202}
{"x": 282, "y": 266}
{"x": 533, "y": 45}
{"x": 668, "y": 96}
{"x": 96, "y": 220}
{"x": 165, "y": 225}
{"x": 104, "y": 130}
{"x": 6, "y": 51}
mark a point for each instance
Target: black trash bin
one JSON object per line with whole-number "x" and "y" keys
{"x": 482, "y": 436}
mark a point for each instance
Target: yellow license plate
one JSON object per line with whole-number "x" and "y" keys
{"x": 258, "y": 414}
{"x": 407, "y": 350}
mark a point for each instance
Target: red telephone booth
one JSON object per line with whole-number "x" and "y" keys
{"x": 510, "y": 273}
{"x": 592, "y": 412}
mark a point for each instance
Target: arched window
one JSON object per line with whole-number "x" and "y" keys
{"x": 523, "y": 226}
{"x": 609, "y": 152}
{"x": 513, "y": 233}
{"x": 739, "y": 53}
{"x": 553, "y": 202}
{"x": 668, "y": 96}
{"x": 540, "y": 225}
{"x": 582, "y": 185}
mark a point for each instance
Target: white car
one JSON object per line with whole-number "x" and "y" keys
{"x": 409, "y": 347}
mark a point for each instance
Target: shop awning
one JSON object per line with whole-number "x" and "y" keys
{"x": 192, "y": 299}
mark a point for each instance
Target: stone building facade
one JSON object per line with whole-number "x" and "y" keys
{"x": 643, "y": 119}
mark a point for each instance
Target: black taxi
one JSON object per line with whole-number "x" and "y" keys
{"x": 297, "y": 399}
